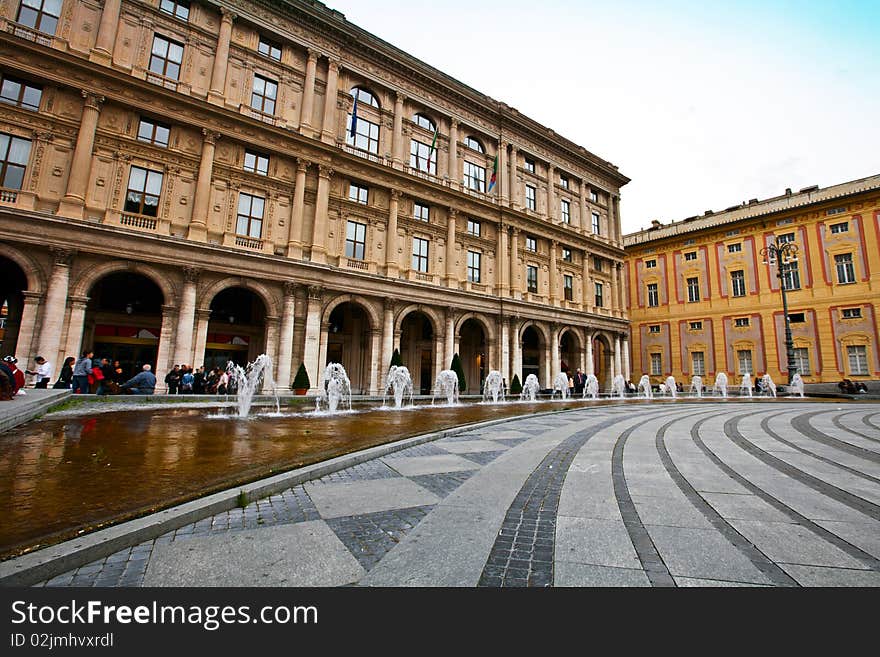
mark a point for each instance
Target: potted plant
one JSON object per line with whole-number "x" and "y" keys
{"x": 301, "y": 383}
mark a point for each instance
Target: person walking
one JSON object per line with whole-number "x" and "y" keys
{"x": 65, "y": 379}
{"x": 43, "y": 373}
{"x": 81, "y": 372}
{"x": 580, "y": 380}
{"x": 105, "y": 383}
{"x": 143, "y": 383}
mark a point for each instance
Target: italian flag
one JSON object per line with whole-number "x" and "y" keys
{"x": 494, "y": 177}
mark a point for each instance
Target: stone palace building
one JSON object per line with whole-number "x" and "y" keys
{"x": 180, "y": 183}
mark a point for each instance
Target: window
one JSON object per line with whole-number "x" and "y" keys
{"x": 785, "y": 238}
{"x": 473, "y": 227}
{"x": 420, "y": 254}
{"x": 529, "y": 165}
{"x": 250, "y": 215}
{"x": 422, "y": 156}
{"x": 744, "y": 359}
{"x": 364, "y": 97}
{"x": 566, "y": 254}
{"x": 698, "y": 363}
{"x": 656, "y": 364}
{"x": 840, "y": 228}
{"x": 14, "y": 155}
{"x": 177, "y": 8}
{"x": 791, "y": 276}
{"x": 858, "y": 359}
{"x": 256, "y": 162}
{"x": 596, "y": 230}
{"x": 474, "y": 145}
{"x": 845, "y": 271}
{"x": 421, "y": 212}
{"x": 654, "y": 328}
{"x": 690, "y": 255}
{"x": 153, "y": 132}
{"x": 741, "y": 322}
{"x": 20, "y": 93}
{"x": 693, "y": 285}
{"x": 796, "y": 318}
{"x": 594, "y": 197}
{"x": 532, "y": 279}
{"x": 358, "y": 193}
{"x": 473, "y": 266}
{"x": 650, "y": 264}
{"x": 851, "y": 313}
{"x": 269, "y": 49}
{"x": 366, "y": 135}
{"x": 565, "y": 211}
{"x": 563, "y": 181}
{"x": 531, "y": 244}
{"x": 42, "y": 15}
{"x": 144, "y": 188}
{"x": 653, "y": 295}
{"x": 166, "y": 57}
{"x": 424, "y": 122}
{"x": 738, "y": 283}
{"x": 568, "y": 287}
{"x": 598, "y": 295}
{"x": 530, "y": 197}
{"x": 597, "y": 263}
{"x": 802, "y": 360}
{"x": 355, "y": 240}
{"x": 834, "y": 211}
{"x": 696, "y": 326}
{"x": 474, "y": 177}
{"x": 264, "y": 95}
{"x": 735, "y": 248}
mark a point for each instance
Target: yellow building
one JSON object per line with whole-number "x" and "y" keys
{"x": 703, "y": 300}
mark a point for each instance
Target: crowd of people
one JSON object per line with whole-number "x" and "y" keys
{"x": 185, "y": 380}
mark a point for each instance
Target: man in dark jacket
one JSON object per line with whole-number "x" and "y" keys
{"x": 173, "y": 380}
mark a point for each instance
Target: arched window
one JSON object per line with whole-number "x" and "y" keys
{"x": 424, "y": 122}
{"x": 364, "y": 97}
{"x": 473, "y": 144}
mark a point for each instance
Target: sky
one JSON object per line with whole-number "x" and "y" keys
{"x": 702, "y": 104}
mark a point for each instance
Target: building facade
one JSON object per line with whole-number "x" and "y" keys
{"x": 198, "y": 182}
{"x": 704, "y": 300}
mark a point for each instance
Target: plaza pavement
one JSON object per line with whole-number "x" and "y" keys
{"x": 742, "y": 493}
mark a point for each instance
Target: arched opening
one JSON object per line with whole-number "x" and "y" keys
{"x": 348, "y": 343}
{"x": 569, "y": 352}
{"x": 123, "y": 321}
{"x": 236, "y": 328}
{"x": 13, "y": 283}
{"x": 602, "y": 356}
{"x": 417, "y": 350}
{"x": 532, "y": 348}
{"x": 473, "y": 353}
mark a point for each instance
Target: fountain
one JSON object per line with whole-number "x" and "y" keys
{"x": 446, "y": 385}
{"x": 591, "y": 387}
{"x": 247, "y": 380}
{"x": 746, "y": 384}
{"x": 721, "y": 384}
{"x": 493, "y": 386}
{"x": 560, "y": 383}
{"x": 768, "y": 385}
{"x": 645, "y": 384}
{"x": 697, "y": 385}
{"x": 797, "y": 385}
{"x": 670, "y": 384}
{"x": 400, "y": 383}
{"x": 530, "y": 388}
{"x": 335, "y": 386}
{"x": 618, "y": 387}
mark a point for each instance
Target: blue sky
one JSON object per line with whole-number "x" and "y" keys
{"x": 702, "y": 104}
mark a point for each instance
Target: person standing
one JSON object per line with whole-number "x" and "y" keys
{"x": 579, "y": 382}
{"x": 10, "y": 362}
{"x": 43, "y": 372}
{"x": 81, "y": 372}
{"x": 199, "y": 381}
{"x": 172, "y": 379}
{"x": 65, "y": 379}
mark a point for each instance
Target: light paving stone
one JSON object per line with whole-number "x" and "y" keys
{"x": 744, "y": 507}
{"x": 671, "y": 511}
{"x": 595, "y": 542}
{"x": 360, "y": 497}
{"x": 584, "y": 575}
{"x": 470, "y": 446}
{"x": 304, "y": 554}
{"x": 690, "y": 582}
{"x": 819, "y": 576}
{"x": 421, "y": 465}
{"x": 864, "y": 535}
{"x": 589, "y": 496}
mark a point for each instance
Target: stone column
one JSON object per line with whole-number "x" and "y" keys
{"x": 590, "y": 366}
{"x": 285, "y": 341}
{"x": 451, "y": 275}
{"x": 312, "y": 350}
{"x": 75, "y": 323}
{"x": 161, "y": 366}
{"x": 387, "y": 341}
{"x": 582, "y": 223}
{"x": 183, "y": 341}
{"x": 554, "y": 273}
{"x": 73, "y": 203}
{"x": 308, "y": 102}
{"x": 614, "y": 211}
{"x": 27, "y": 331}
{"x": 198, "y": 224}
{"x": 450, "y": 338}
{"x": 454, "y": 175}
{"x": 504, "y": 349}
{"x": 552, "y": 210}
{"x": 328, "y": 126}
{"x": 375, "y": 340}
{"x": 55, "y": 305}
{"x": 515, "y": 350}
{"x": 586, "y": 287}
{"x": 203, "y": 316}
{"x": 217, "y": 91}
{"x": 615, "y": 289}
{"x": 547, "y": 362}
{"x": 392, "y": 261}
{"x": 515, "y": 288}
{"x": 621, "y": 290}
{"x": 294, "y": 235}
{"x": 503, "y": 194}
{"x": 626, "y": 360}
{"x": 106, "y": 39}
{"x": 271, "y": 343}
{"x": 502, "y": 285}
{"x": 397, "y": 135}
{"x": 319, "y": 232}
{"x": 514, "y": 191}
{"x": 617, "y": 361}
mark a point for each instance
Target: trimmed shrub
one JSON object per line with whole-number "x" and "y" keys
{"x": 515, "y": 385}
{"x": 396, "y": 359}
{"x": 459, "y": 371}
{"x": 301, "y": 380}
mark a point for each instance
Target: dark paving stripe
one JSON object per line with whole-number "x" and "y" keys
{"x": 482, "y": 458}
{"x": 443, "y": 483}
{"x": 765, "y": 425}
{"x": 840, "y": 425}
{"x": 732, "y": 433}
{"x": 426, "y": 449}
{"x": 802, "y": 424}
{"x": 368, "y": 470}
{"x": 867, "y": 419}
{"x": 510, "y": 442}
{"x": 776, "y": 575}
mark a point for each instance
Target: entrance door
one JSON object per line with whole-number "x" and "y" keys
{"x": 425, "y": 373}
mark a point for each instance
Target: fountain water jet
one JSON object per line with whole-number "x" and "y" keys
{"x": 493, "y": 386}
{"x": 591, "y": 387}
{"x": 645, "y": 384}
{"x": 335, "y": 386}
{"x": 746, "y": 384}
{"x": 670, "y": 384}
{"x": 400, "y": 384}
{"x": 446, "y": 385}
{"x": 560, "y": 383}
{"x": 721, "y": 384}
{"x": 697, "y": 385}
{"x": 530, "y": 388}
{"x": 247, "y": 380}
{"x": 618, "y": 387}
{"x": 769, "y": 386}
{"x": 797, "y": 385}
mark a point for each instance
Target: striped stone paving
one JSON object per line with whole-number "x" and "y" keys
{"x": 735, "y": 493}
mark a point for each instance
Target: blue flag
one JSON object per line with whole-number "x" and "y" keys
{"x": 354, "y": 117}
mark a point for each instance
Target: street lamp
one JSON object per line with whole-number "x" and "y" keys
{"x": 784, "y": 255}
